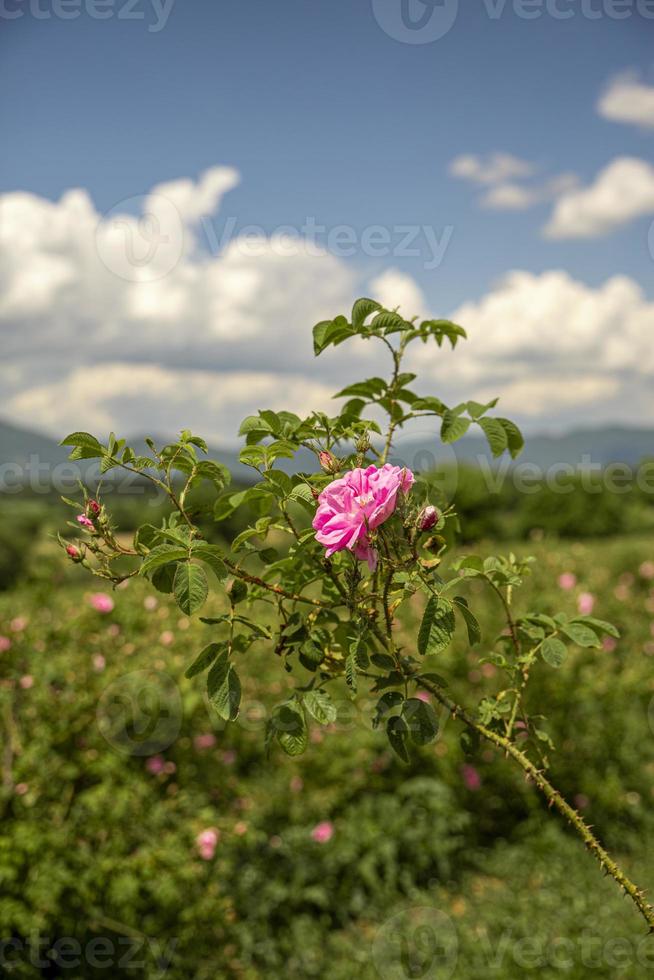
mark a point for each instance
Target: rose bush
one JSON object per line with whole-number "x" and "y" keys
{"x": 303, "y": 556}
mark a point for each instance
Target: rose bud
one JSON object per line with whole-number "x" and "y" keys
{"x": 73, "y": 552}
{"x": 427, "y": 518}
{"x": 84, "y": 521}
{"x": 93, "y": 508}
{"x": 328, "y": 462}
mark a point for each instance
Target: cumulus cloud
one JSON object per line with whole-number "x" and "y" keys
{"x": 520, "y": 197}
{"x": 621, "y": 192}
{"x": 626, "y": 99}
{"x": 553, "y": 348}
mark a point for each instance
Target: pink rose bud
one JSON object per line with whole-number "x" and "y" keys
{"x": 586, "y": 603}
{"x": 93, "y": 507}
{"x": 567, "y": 581}
{"x": 427, "y": 518}
{"x": 327, "y": 461}
{"x": 72, "y": 552}
{"x": 84, "y": 521}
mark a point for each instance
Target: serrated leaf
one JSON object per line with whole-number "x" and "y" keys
{"x": 553, "y": 651}
{"x": 437, "y": 626}
{"x": 474, "y": 630}
{"x": 580, "y": 634}
{"x": 210, "y": 554}
{"x": 421, "y": 720}
{"x": 162, "y": 555}
{"x": 362, "y": 309}
{"x": 321, "y": 707}
{"x": 83, "y": 439}
{"x": 453, "y": 426}
{"x": 291, "y": 729}
{"x": 514, "y": 438}
{"x": 190, "y": 587}
{"x": 398, "y": 734}
{"x": 204, "y": 659}
{"x": 224, "y": 688}
{"x": 495, "y": 434}
{"x": 602, "y": 626}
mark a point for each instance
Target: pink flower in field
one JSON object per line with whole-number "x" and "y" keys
{"x": 21, "y": 788}
{"x": 99, "y": 663}
{"x": 422, "y": 695}
{"x": 240, "y": 828}
{"x": 646, "y": 570}
{"x": 167, "y": 637}
{"x": 357, "y": 503}
{"x": 205, "y": 741}
{"x": 18, "y": 624}
{"x": 5, "y": 644}
{"x": 26, "y": 682}
{"x": 150, "y": 603}
{"x": 102, "y": 602}
{"x": 609, "y": 644}
{"x": 567, "y": 581}
{"x": 206, "y": 843}
{"x": 155, "y": 764}
{"x": 84, "y": 521}
{"x": 229, "y": 757}
{"x": 471, "y": 778}
{"x": 586, "y": 603}
{"x": 323, "y": 832}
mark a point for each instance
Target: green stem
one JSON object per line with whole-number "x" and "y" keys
{"x": 553, "y": 796}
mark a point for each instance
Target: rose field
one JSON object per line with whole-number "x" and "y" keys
{"x": 142, "y": 834}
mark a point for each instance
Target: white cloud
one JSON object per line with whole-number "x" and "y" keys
{"x": 553, "y": 349}
{"x": 628, "y": 100}
{"x": 492, "y": 169}
{"x": 136, "y": 399}
{"x": 622, "y": 191}
{"x": 395, "y": 289}
{"x": 519, "y": 197}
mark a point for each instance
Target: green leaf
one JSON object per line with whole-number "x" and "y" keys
{"x": 204, "y": 659}
{"x": 351, "y": 672}
{"x": 83, "y": 440}
{"x": 190, "y": 587}
{"x": 162, "y": 555}
{"x": 321, "y": 707}
{"x": 580, "y": 634}
{"x": 601, "y": 626}
{"x": 216, "y": 473}
{"x": 330, "y": 332}
{"x": 421, "y": 720}
{"x": 370, "y": 388}
{"x": 453, "y": 426}
{"x": 237, "y": 591}
{"x": 553, "y": 651}
{"x": 389, "y": 322}
{"x": 291, "y": 728}
{"x": 495, "y": 434}
{"x": 398, "y": 733}
{"x": 163, "y": 578}
{"x": 363, "y": 308}
{"x": 476, "y": 409}
{"x": 474, "y": 631}
{"x": 515, "y": 441}
{"x": 210, "y": 554}
{"x": 224, "y": 688}
{"x": 386, "y": 703}
{"x": 437, "y": 626}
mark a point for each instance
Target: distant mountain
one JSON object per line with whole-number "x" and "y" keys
{"x": 36, "y": 453}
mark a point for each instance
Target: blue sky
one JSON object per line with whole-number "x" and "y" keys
{"x": 323, "y": 114}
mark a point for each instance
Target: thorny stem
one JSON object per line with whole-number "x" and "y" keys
{"x": 553, "y": 796}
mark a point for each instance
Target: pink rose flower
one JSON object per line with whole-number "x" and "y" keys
{"x": 471, "y": 778}
{"x": 18, "y": 624}
{"x": 155, "y": 764}
{"x": 84, "y": 521}
{"x": 567, "y": 581}
{"x": 646, "y": 570}
{"x": 205, "y": 741}
{"x": 102, "y": 602}
{"x": 206, "y": 843}
{"x": 422, "y": 696}
{"x": 26, "y": 682}
{"x": 586, "y": 603}
{"x": 427, "y": 518}
{"x": 5, "y": 644}
{"x": 323, "y": 832}
{"x": 357, "y": 503}
{"x": 609, "y": 644}
{"x": 99, "y": 663}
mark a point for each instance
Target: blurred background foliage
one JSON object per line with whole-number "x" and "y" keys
{"x": 99, "y": 828}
